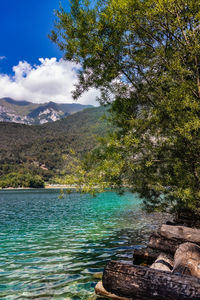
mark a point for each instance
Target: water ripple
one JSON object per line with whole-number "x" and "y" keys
{"x": 51, "y": 248}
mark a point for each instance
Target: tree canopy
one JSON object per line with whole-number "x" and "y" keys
{"x": 144, "y": 57}
{"x": 17, "y": 180}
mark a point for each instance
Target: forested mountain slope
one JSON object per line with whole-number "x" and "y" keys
{"x": 40, "y": 148}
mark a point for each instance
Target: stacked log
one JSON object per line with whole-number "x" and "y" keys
{"x": 161, "y": 243}
{"x": 174, "y": 274}
{"x": 139, "y": 282}
{"x": 181, "y": 233}
{"x": 169, "y": 238}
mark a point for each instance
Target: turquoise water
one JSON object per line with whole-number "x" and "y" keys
{"x": 50, "y": 248}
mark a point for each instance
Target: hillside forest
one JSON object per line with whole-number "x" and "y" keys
{"x": 33, "y": 154}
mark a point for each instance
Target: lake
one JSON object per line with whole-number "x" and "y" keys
{"x": 50, "y": 248}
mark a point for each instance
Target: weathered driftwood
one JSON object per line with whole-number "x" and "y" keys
{"x": 164, "y": 262}
{"x": 161, "y": 243}
{"x": 187, "y": 260}
{"x": 145, "y": 256}
{"x": 99, "y": 290}
{"x": 182, "y": 233}
{"x": 138, "y": 282}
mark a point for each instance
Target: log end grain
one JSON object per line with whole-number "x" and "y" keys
{"x": 187, "y": 260}
{"x": 164, "y": 262}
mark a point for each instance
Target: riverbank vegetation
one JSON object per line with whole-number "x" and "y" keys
{"x": 21, "y": 180}
{"x": 144, "y": 57}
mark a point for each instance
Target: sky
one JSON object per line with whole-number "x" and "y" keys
{"x": 31, "y": 66}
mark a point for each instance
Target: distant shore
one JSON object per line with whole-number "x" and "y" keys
{"x": 59, "y": 186}
{"x": 48, "y": 186}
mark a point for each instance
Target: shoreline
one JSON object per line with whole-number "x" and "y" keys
{"x": 49, "y": 186}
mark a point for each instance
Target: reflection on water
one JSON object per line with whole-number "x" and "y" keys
{"x": 50, "y": 248}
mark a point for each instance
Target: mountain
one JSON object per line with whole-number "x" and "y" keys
{"x": 46, "y": 113}
{"x": 73, "y": 107}
{"x": 40, "y": 149}
{"x": 29, "y": 113}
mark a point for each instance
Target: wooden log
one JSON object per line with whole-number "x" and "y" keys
{"x": 138, "y": 282}
{"x": 164, "y": 262}
{"x": 145, "y": 256}
{"x": 182, "y": 233}
{"x": 187, "y": 260}
{"x": 158, "y": 242}
{"x": 99, "y": 290}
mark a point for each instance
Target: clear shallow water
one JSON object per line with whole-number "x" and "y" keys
{"x": 50, "y": 248}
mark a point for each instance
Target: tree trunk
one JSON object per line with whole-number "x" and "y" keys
{"x": 187, "y": 260}
{"x": 182, "y": 233}
{"x": 164, "y": 262}
{"x": 145, "y": 256}
{"x": 158, "y": 242}
{"x": 138, "y": 282}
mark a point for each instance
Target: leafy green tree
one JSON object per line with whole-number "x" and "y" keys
{"x": 21, "y": 180}
{"x": 36, "y": 182}
{"x": 144, "y": 56}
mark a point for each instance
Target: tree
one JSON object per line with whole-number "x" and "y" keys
{"x": 21, "y": 180}
{"x": 144, "y": 56}
{"x": 36, "y": 182}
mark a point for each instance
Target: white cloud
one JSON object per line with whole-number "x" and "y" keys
{"x": 50, "y": 80}
{"x": 2, "y": 57}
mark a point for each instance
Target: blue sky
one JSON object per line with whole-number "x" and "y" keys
{"x": 31, "y": 66}
{"x": 25, "y": 25}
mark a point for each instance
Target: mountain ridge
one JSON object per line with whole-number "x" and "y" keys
{"x": 25, "y": 112}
